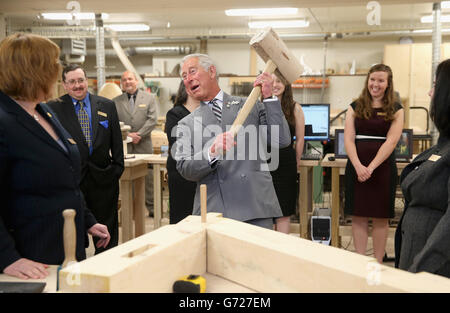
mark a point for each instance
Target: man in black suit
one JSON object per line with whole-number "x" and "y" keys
{"x": 93, "y": 123}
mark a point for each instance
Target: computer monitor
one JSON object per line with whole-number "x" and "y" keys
{"x": 339, "y": 145}
{"x": 403, "y": 150}
{"x": 317, "y": 121}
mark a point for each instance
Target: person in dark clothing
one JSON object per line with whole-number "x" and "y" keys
{"x": 422, "y": 235}
{"x": 181, "y": 191}
{"x": 39, "y": 164}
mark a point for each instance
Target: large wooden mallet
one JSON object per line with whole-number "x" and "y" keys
{"x": 278, "y": 59}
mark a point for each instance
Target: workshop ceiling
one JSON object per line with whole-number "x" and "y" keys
{"x": 203, "y": 18}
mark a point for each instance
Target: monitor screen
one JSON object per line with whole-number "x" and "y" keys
{"x": 339, "y": 144}
{"x": 317, "y": 121}
{"x": 403, "y": 150}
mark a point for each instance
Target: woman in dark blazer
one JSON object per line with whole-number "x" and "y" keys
{"x": 39, "y": 163}
{"x": 422, "y": 238}
{"x": 181, "y": 191}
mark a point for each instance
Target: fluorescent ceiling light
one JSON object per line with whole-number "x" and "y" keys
{"x": 261, "y": 12}
{"x": 429, "y": 19}
{"x": 68, "y": 16}
{"x": 279, "y": 24}
{"x": 128, "y": 27}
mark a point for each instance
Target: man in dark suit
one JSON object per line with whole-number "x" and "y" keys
{"x": 93, "y": 124}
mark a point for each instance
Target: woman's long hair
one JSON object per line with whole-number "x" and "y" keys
{"x": 364, "y": 102}
{"x": 181, "y": 96}
{"x": 288, "y": 104}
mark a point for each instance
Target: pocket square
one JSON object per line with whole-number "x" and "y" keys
{"x": 104, "y": 123}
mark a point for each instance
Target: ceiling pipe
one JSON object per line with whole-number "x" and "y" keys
{"x": 100, "y": 47}
{"x": 154, "y": 50}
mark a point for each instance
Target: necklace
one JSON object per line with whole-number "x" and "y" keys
{"x": 36, "y": 117}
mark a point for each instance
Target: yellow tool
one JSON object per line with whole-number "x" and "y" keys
{"x": 190, "y": 284}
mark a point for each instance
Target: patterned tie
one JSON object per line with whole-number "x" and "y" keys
{"x": 83, "y": 117}
{"x": 216, "y": 110}
{"x": 131, "y": 102}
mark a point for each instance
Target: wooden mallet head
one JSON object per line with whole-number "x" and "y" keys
{"x": 278, "y": 59}
{"x": 269, "y": 46}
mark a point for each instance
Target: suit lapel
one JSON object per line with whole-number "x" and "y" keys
{"x": 94, "y": 112}
{"x": 206, "y": 114}
{"x": 70, "y": 120}
{"x": 33, "y": 126}
{"x": 230, "y": 109}
{"x": 125, "y": 103}
{"x": 139, "y": 100}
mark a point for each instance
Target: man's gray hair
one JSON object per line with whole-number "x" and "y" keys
{"x": 204, "y": 60}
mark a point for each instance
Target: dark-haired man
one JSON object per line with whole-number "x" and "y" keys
{"x": 94, "y": 126}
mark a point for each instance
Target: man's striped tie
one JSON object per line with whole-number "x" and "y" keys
{"x": 83, "y": 117}
{"x": 216, "y": 110}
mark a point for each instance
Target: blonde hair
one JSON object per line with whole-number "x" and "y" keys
{"x": 29, "y": 66}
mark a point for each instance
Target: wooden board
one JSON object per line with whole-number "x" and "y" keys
{"x": 149, "y": 263}
{"x": 269, "y": 261}
{"x": 255, "y": 258}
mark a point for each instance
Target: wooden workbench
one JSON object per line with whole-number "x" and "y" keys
{"x": 133, "y": 207}
{"x": 159, "y": 162}
{"x": 338, "y": 168}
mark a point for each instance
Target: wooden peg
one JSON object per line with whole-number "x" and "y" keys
{"x": 69, "y": 235}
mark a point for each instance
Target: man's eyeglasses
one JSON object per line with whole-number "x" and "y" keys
{"x": 73, "y": 82}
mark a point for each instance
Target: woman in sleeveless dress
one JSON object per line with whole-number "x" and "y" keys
{"x": 373, "y": 126}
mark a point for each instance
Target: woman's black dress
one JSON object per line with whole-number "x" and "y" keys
{"x": 181, "y": 191}
{"x": 285, "y": 178}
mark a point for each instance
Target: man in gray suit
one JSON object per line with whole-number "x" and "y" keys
{"x": 239, "y": 184}
{"x": 138, "y": 109}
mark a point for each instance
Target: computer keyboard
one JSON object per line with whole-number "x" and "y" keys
{"x": 312, "y": 156}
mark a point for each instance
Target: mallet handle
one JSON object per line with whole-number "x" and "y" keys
{"x": 203, "y": 200}
{"x": 69, "y": 236}
{"x": 250, "y": 102}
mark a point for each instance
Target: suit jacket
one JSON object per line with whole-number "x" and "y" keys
{"x": 38, "y": 180}
{"x": 142, "y": 120}
{"x": 106, "y": 137}
{"x": 238, "y": 186}
{"x": 422, "y": 236}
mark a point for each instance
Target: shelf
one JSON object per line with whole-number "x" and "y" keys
{"x": 308, "y": 86}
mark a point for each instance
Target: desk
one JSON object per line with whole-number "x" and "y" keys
{"x": 50, "y": 280}
{"x": 305, "y": 199}
{"x": 158, "y": 162}
{"x": 336, "y": 166}
{"x": 133, "y": 207}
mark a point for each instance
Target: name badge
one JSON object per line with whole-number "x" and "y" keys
{"x": 49, "y": 115}
{"x": 102, "y": 114}
{"x": 381, "y": 113}
{"x": 142, "y": 105}
{"x": 71, "y": 141}
{"x": 434, "y": 157}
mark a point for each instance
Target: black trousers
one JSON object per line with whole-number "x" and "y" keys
{"x": 102, "y": 196}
